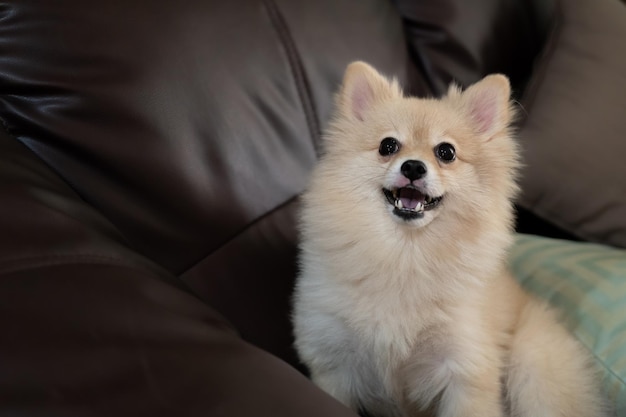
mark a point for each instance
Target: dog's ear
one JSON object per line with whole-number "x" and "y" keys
{"x": 488, "y": 105}
{"x": 362, "y": 88}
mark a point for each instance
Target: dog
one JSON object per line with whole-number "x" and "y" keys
{"x": 404, "y": 303}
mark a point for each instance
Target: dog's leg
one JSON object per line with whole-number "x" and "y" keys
{"x": 462, "y": 384}
{"x": 463, "y": 395}
{"x": 550, "y": 374}
{"x": 472, "y": 397}
{"x": 338, "y": 384}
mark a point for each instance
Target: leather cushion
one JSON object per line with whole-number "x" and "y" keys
{"x": 574, "y": 133}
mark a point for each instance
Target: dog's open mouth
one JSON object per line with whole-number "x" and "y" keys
{"x": 410, "y": 203}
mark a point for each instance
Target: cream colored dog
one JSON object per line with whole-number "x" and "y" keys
{"x": 404, "y": 302}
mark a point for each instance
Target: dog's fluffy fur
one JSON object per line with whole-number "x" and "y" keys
{"x": 400, "y": 311}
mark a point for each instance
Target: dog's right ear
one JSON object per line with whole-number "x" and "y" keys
{"x": 362, "y": 88}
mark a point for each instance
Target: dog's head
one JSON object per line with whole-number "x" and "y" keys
{"x": 418, "y": 158}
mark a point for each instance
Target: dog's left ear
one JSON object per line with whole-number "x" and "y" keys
{"x": 487, "y": 103}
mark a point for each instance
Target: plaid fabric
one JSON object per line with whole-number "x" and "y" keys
{"x": 587, "y": 283}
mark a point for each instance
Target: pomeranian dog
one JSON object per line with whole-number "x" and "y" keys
{"x": 404, "y": 302}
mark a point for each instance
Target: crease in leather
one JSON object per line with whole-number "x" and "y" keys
{"x": 430, "y": 34}
{"x": 542, "y": 62}
{"x": 297, "y": 70}
{"x": 24, "y": 263}
{"x": 32, "y": 150}
{"x": 241, "y": 231}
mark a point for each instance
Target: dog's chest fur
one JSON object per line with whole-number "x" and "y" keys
{"x": 388, "y": 316}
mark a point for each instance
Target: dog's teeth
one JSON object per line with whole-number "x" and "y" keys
{"x": 429, "y": 199}
{"x": 419, "y": 207}
{"x": 399, "y": 204}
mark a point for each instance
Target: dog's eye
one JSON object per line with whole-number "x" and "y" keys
{"x": 388, "y": 146}
{"x": 445, "y": 152}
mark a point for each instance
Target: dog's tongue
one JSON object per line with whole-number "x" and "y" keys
{"x": 410, "y": 197}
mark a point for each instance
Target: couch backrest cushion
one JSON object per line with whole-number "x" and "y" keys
{"x": 574, "y": 132}
{"x": 183, "y": 122}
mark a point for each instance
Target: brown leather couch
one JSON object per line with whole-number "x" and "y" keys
{"x": 152, "y": 154}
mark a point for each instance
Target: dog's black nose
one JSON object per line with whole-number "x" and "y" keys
{"x": 413, "y": 170}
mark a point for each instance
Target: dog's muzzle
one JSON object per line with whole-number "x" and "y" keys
{"x": 409, "y": 202}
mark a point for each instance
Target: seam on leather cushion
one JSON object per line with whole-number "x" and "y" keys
{"x": 297, "y": 70}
